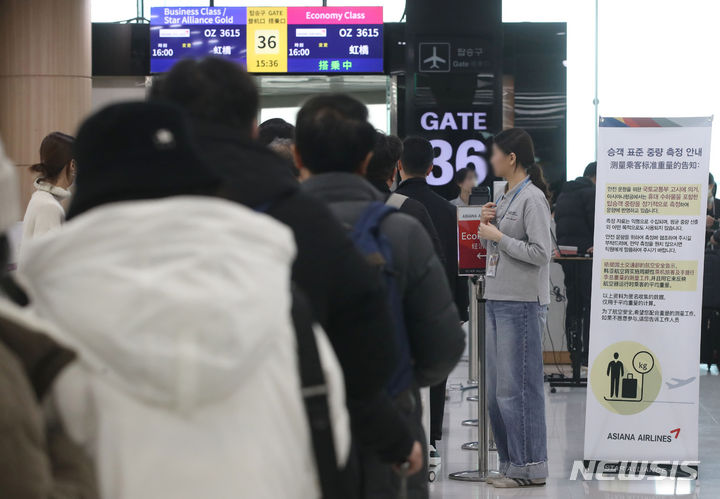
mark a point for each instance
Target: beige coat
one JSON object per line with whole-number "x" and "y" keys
{"x": 37, "y": 461}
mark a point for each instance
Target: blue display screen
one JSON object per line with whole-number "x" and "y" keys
{"x": 327, "y": 40}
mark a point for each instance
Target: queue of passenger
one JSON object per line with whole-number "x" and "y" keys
{"x": 428, "y": 334}
{"x": 204, "y": 325}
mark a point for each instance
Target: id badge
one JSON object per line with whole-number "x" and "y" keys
{"x": 492, "y": 263}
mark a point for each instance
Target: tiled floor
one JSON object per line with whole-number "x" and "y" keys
{"x": 566, "y": 423}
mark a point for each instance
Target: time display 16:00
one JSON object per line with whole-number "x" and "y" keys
{"x": 163, "y": 52}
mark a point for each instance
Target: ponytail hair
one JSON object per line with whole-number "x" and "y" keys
{"x": 56, "y": 152}
{"x": 537, "y": 177}
{"x": 519, "y": 142}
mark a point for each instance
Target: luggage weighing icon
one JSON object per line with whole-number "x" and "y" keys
{"x": 624, "y": 386}
{"x": 629, "y": 387}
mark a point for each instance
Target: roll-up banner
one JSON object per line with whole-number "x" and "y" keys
{"x": 650, "y": 223}
{"x": 471, "y": 254}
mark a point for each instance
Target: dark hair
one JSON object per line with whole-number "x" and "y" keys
{"x": 333, "y": 133}
{"x": 711, "y": 179}
{"x": 211, "y": 89}
{"x": 417, "y": 156}
{"x": 275, "y": 128}
{"x": 126, "y": 141}
{"x": 590, "y": 170}
{"x": 462, "y": 175}
{"x": 519, "y": 142}
{"x": 387, "y": 152}
{"x": 56, "y": 151}
{"x": 283, "y": 148}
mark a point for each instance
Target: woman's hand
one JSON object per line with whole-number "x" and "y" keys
{"x": 490, "y": 232}
{"x": 489, "y": 210}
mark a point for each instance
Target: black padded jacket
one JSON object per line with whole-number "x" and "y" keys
{"x": 346, "y": 298}
{"x": 575, "y": 214}
{"x": 444, "y": 218}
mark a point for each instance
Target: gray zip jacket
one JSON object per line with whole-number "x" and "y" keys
{"x": 523, "y": 271}
{"x": 432, "y": 321}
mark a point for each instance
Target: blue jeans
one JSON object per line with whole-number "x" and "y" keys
{"x": 515, "y": 386}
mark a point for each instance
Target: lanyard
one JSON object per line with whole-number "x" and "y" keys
{"x": 524, "y": 184}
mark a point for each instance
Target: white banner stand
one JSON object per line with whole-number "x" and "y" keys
{"x": 643, "y": 388}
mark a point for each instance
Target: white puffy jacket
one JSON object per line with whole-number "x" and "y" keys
{"x": 187, "y": 384}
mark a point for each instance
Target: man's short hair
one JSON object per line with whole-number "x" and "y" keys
{"x": 387, "y": 152}
{"x": 417, "y": 156}
{"x": 590, "y": 170}
{"x": 211, "y": 89}
{"x": 333, "y": 133}
{"x": 462, "y": 174}
{"x": 275, "y": 128}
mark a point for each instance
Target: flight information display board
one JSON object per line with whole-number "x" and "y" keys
{"x": 270, "y": 39}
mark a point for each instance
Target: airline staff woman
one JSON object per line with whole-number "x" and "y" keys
{"x": 516, "y": 234}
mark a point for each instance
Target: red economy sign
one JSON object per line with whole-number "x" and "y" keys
{"x": 471, "y": 254}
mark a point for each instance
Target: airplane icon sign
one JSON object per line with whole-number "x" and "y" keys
{"x": 434, "y": 57}
{"x": 434, "y": 60}
{"x": 678, "y": 383}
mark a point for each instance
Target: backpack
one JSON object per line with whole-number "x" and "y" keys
{"x": 375, "y": 246}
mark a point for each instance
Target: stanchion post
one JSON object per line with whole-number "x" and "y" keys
{"x": 484, "y": 421}
{"x": 473, "y": 356}
{"x": 480, "y": 474}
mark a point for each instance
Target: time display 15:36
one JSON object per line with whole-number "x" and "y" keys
{"x": 267, "y": 63}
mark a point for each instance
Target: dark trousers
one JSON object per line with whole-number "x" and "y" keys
{"x": 379, "y": 480}
{"x": 710, "y": 337}
{"x": 578, "y": 289}
{"x": 437, "y": 410}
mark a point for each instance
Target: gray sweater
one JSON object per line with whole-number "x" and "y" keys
{"x": 523, "y": 271}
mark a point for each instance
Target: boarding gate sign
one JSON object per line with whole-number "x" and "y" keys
{"x": 650, "y": 211}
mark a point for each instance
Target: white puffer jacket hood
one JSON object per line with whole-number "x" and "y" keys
{"x": 164, "y": 296}
{"x": 188, "y": 382}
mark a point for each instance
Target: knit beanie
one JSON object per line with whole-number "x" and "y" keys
{"x": 137, "y": 150}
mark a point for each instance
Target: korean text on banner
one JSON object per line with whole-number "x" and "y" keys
{"x": 652, "y": 182}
